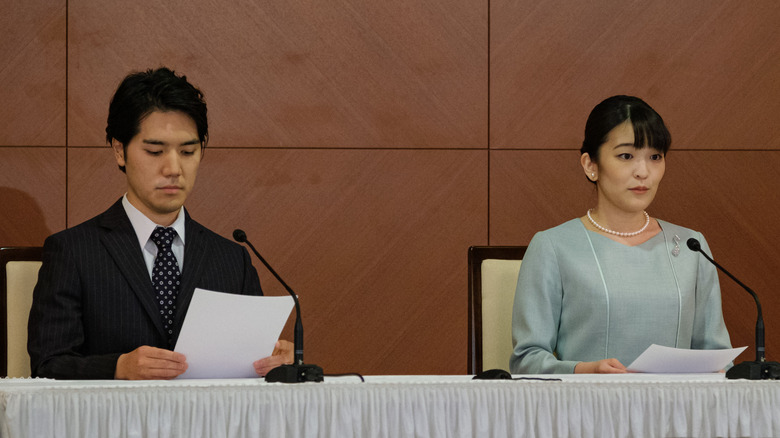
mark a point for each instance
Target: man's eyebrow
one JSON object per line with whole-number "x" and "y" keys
{"x": 162, "y": 143}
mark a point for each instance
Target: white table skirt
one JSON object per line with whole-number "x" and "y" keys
{"x": 393, "y": 406}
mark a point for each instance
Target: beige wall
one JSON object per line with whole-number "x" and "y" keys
{"x": 364, "y": 145}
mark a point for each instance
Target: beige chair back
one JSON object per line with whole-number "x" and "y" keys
{"x": 493, "y": 274}
{"x": 20, "y": 279}
{"x": 499, "y": 281}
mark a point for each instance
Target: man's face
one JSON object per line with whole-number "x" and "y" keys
{"x": 161, "y": 163}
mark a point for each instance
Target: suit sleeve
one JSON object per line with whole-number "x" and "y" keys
{"x": 55, "y": 329}
{"x": 251, "y": 285}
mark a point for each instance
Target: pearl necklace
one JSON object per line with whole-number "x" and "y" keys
{"x": 618, "y": 233}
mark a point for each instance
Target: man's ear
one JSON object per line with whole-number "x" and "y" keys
{"x": 119, "y": 152}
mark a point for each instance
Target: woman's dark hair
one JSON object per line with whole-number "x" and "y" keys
{"x": 649, "y": 128}
{"x": 142, "y": 93}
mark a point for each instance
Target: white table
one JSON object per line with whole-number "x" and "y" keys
{"x": 393, "y": 406}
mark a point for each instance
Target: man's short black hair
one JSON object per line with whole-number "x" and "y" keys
{"x": 142, "y": 93}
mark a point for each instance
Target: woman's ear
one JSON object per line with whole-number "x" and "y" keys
{"x": 590, "y": 167}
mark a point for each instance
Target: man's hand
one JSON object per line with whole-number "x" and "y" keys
{"x": 150, "y": 363}
{"x": 283, "y": 354}
{"x": 604, "y": 366}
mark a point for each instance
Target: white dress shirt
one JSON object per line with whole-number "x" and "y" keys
{"x": 144, "y": 228}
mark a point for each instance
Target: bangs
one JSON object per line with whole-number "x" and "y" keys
{"x": 650, "y": 131}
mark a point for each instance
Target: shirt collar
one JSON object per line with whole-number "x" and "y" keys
{"x": 144, "y": 226}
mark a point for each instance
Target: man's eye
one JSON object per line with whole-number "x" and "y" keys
{"x": 155, "y": 153}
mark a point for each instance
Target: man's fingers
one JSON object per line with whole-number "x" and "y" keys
{"x": 160, "y": 353}
{"x": 147, "y": 362}
{"x": 266, "y": 364}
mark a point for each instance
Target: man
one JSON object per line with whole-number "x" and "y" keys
{"x": 113, "y": 291}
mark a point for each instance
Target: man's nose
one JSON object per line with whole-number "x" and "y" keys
{"x": 172, "y": 164}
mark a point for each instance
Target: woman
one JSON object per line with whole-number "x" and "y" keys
{"x": 595, "y": 292}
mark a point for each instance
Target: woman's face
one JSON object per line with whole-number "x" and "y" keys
{"x": 627, "y": 176}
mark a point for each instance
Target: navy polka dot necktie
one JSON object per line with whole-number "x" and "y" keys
{"x": 165, "y": 275}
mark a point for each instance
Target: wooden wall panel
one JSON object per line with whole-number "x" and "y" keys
{"x": 298, "y": 73}
{"x": 94, "y": 182}
{"x": 710, "y": 68}
{"x": 374, "y": 242}
{"x": 32, "y": 77}
{"x": 32, "y": 194}
{"x": 532, "y": 190}
{"x": 725, "y": 195}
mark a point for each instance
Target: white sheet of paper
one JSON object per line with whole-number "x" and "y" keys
{"x": 660, "y": 359}
{"x": 223, "y": 334}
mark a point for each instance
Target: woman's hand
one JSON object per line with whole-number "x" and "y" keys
{"x": 604, "y": 366}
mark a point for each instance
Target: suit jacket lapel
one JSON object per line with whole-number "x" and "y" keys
{"x": 121, "y": 242}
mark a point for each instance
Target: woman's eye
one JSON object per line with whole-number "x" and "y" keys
{"x": 657, "y": 157}
{"x": 625, "y": 156}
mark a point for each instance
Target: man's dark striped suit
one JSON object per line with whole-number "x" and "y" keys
{"x": 95, "y": 301}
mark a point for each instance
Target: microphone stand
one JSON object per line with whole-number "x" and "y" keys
{"x": 298, "y": 371}
{"x": 759, "y": 369}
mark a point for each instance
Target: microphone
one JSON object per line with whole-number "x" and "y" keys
{"x": 759, "y": 369}
{"x": 298, "y": 371}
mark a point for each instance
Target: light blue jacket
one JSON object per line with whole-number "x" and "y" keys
{"x": 582, "y": 296}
